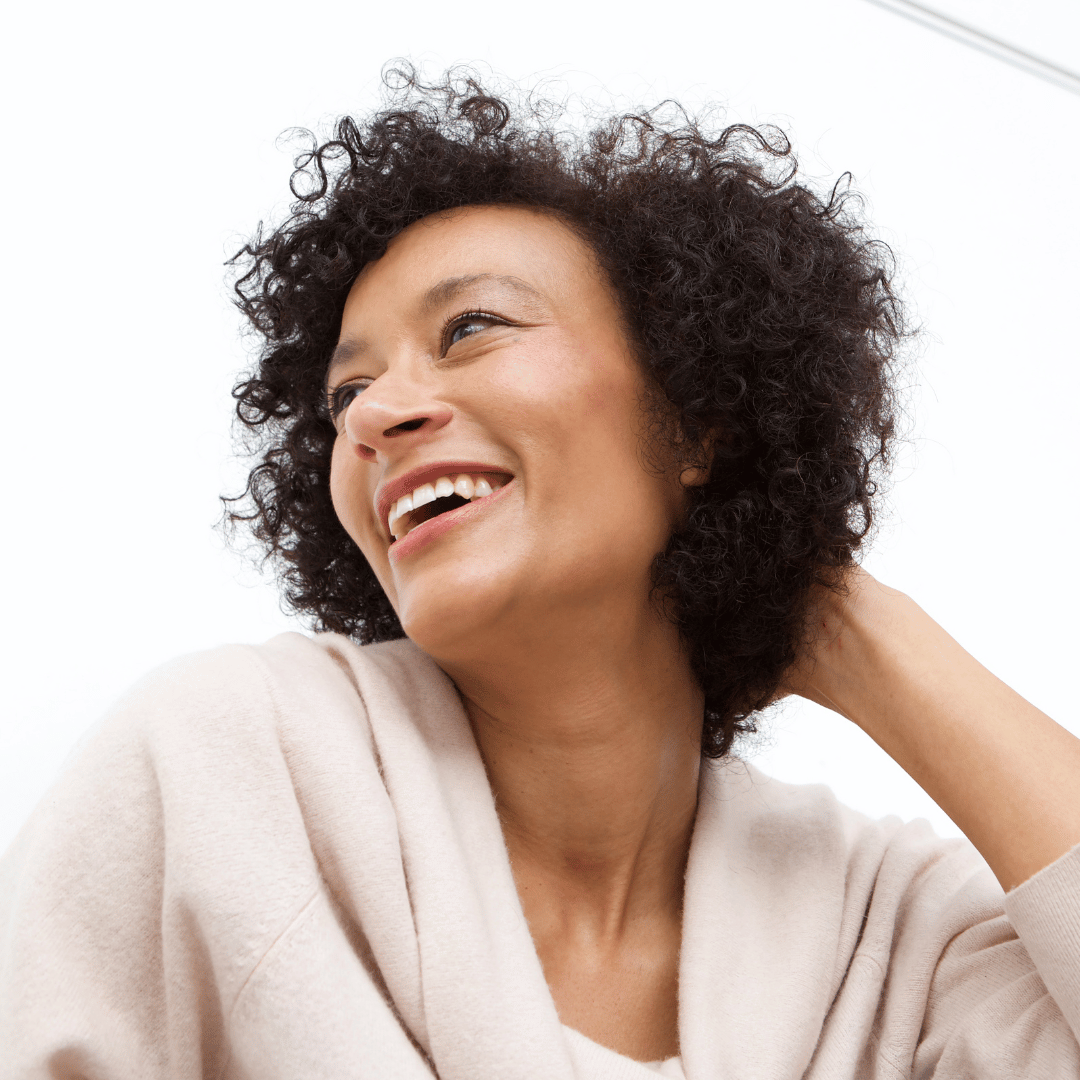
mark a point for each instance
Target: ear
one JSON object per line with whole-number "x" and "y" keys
{"x": 693, "y": 476}
{"x": 696, "y": 473}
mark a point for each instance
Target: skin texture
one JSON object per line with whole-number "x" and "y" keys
{"x": 538, "y": 606}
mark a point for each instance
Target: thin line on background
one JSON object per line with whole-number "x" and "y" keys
{"x": 976, "y": 39}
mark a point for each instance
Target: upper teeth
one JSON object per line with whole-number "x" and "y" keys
{"x": 465, "y": 486}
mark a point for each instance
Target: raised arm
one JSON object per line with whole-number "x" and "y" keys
{"x": 1007, "y": 774}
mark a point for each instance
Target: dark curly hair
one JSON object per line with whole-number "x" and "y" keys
{"x": 762, "y": 312}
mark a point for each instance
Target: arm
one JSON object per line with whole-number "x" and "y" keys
{"x": 1000, "y": 768}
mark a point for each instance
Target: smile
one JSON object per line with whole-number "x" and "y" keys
{"x": 438, "y": 497}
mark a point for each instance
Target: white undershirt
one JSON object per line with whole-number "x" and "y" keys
{"x": 595, "y": 1062}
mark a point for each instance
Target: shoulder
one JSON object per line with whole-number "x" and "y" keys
{"x": 242, "y": 713}
{"x": 234, "y": 735}
{"x": 237, "y": 689}
{"x": 241, "y": 671}
{"x": 780, "y": 819}
{"x": 803, "y": 831}
{"x": 851, "y": 897}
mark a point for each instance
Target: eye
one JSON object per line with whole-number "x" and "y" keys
{"x": 341, "y": 397}
{"x": 463, "y": 326}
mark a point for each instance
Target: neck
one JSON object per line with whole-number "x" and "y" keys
{"x": 591, "y": 739}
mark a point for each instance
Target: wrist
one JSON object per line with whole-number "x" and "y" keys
{"x": 868, "y": 636}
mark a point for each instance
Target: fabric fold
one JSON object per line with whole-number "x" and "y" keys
{"x": 285, "y": 861}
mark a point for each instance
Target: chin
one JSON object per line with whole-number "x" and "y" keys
{"x": 459, "y": 613}
{"x": 449, "y": 632}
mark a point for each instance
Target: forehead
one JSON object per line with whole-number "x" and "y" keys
{"x": 483, "y": 243}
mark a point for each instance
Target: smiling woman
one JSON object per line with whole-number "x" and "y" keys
{"x": 517, "y": 377}
{"x": 566, "y": 446}
{"x": 695, "y": 246}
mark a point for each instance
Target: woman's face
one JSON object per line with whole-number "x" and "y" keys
{"x": 485, "y": 350}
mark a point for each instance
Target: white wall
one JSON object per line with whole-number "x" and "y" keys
{"x": 140, "y": 144}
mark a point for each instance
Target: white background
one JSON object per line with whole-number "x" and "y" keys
{"x": 141, "y": 144}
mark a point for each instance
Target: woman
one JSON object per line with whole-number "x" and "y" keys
{"x": 580, "y": 440}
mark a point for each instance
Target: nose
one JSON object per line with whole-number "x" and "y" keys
{"x": 384, "y": 417}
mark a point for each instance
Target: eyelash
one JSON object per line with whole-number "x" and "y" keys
{"x": 459, "y": 320}
{"x": 334, "y": 406}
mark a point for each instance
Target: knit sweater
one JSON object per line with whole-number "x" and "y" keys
{"x": 285, "y": 863}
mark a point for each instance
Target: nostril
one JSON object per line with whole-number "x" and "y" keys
{"x": 407, "y": 425}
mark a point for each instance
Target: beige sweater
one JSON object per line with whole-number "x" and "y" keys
{"x": 284, "y": 863}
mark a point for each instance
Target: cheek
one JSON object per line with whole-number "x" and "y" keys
{"x": 343, "y": 489}
{"x": 576, "y": 412}
{"x": 350, "y": 485}
{"x": 565, "y": 384}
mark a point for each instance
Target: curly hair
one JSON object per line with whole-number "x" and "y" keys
{"x": 762, "y": 312}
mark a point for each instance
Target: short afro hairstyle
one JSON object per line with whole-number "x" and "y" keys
{"x": 762, "y": 312}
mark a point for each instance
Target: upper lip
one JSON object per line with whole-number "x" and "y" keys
{"x": 389, "y": 491}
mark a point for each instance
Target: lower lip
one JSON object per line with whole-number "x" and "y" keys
{"x": 430, "y": 530}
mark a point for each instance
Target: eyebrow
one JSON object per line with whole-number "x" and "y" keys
{"x": 440, "y": 293}
{"x": 450, "y": 288}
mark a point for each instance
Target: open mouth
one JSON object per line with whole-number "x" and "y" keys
{"x": 438, "y": 497}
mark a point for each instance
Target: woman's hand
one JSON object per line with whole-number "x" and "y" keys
{"x": 1001, "y": 769}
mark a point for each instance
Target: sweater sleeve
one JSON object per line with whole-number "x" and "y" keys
{"x": 1045, "y": 910}
{"x": 107, "y": 969}
{"x": 82, "y": 992}
{"x": 164, "y": 914}
{"x": 1004, "y": 1000}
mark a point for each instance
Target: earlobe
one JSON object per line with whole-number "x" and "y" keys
{"x": 699, "y": 462}
{"x": 694, "y": 476}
